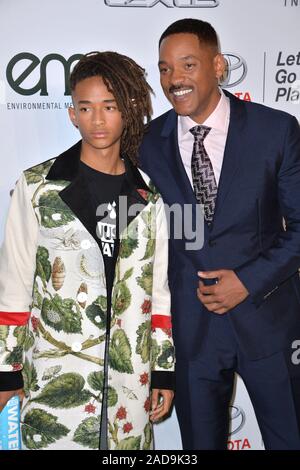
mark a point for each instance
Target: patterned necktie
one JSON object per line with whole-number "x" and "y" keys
{"x": 204, "y": 181}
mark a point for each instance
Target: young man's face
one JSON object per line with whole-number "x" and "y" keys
{"x": 189, "y": 72}
{"x": 96, "y": 114}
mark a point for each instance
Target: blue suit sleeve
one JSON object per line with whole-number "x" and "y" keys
{"x": 263, "y": 275}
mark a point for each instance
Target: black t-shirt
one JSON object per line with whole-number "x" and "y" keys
{"x": 104, "y": 191}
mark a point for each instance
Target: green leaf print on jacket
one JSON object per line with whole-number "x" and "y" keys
{"x": 65, "y": 391}
{"x": 166, "y": 358}
{"x": 149, "y": 232}
{"x": 37, "y": 298}
{"x": 36, "y": 174}
{"x": 121, "y": 298}
{"x": 4, "y": 330}
{"x": 54, "y": 212}
{"x": 24, "y": 337}
{"x": 40, "y": 429}
{"x": 96, "y": 382}
{"x": 148, "y": 437}
{"x": 144, "y": 341}
{"x": 146, "y": 279}
{"x": 96, "y": 312}
{"x": 16, "y": 356}
{"x": 87, "y": 433}
{"x": 62, "y": 314}
{"x": 120, "y": 353}
{"x": 155, "y": 352}
{"x": 129, "y": 240}
{"x": 30, "y": 378}
{"x": 43, "y": 265}
{"x": 130, "y": 443}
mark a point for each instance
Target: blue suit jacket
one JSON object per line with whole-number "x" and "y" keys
{"x": 259, "y": 185}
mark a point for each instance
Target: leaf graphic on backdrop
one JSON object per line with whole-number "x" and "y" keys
{"x": 62, "y": 314}
{"x": 65, "y": 391}
{"x": 87, "y": 433}
{"x": 40, "y": 429}
{"x": 120, "y": 352}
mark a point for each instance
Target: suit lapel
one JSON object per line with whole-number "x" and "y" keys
{"x": 232, "y": 153}
{"x": 185, "y": 193}
{"x": 181, "y": 189}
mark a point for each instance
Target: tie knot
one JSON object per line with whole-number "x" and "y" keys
{"x": 200, "y": 132}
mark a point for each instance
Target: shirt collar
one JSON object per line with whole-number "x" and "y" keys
{"x": 217, "y": 119}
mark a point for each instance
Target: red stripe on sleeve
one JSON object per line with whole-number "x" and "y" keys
{"x": 14, "y": 318}
{"x": 161, "y": 321}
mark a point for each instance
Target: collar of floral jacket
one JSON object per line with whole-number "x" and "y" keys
{"x": 76, "y": 195}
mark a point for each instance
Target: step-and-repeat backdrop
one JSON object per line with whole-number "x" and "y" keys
{"x": 39, "y": 43}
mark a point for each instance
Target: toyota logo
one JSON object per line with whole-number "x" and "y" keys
{"x": 236, "y": 70}
{"x": 238, "y": 418}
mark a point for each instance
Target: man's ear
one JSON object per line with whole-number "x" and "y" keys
{"x": 72, "y": 116}
{"x": 220, "y": 66}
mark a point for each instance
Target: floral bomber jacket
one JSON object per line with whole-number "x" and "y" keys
{"x": 53, "y": 310}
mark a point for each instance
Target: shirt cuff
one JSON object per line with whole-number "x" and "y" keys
{"x": 11, "y": 381}
{"x": 163, "y": 380}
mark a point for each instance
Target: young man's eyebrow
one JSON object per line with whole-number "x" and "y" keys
{"x": 90, "y": 102}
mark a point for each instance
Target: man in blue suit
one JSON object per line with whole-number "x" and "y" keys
{"x": 235, "y": 301}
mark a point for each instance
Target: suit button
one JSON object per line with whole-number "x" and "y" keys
{"x": 211, "y": 243}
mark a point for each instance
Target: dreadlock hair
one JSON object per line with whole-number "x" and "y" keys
{"x": 125, "y": 79}
{"x": 203, "y": 30}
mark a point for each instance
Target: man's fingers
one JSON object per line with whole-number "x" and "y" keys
{"x": 207, "y": 299}
{"x": 208, "y": 290}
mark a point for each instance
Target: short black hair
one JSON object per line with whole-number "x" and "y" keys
{"x": 203, "y": 30}
{"x": 126, "y": 80}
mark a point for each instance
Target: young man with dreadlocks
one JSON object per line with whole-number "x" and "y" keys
{"x": 85, "y": 329}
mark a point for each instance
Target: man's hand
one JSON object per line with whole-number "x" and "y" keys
{"x": 161, "y": 401}
{"x": 6, "y": 396}
{"x": 223, "y": 296}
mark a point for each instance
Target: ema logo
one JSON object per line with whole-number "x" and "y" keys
{"x": 28, "y": 63}
{"x": 166, "y": 3}
{"x": 236, "y": 70}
